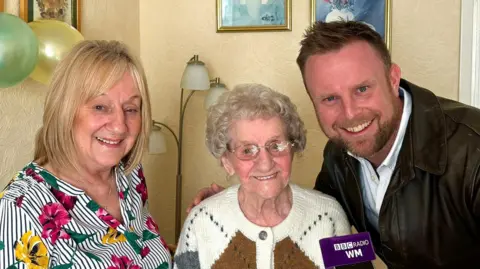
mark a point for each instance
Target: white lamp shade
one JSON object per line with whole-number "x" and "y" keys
{"x": 195, "y": 77}
{"x": 157, "y": 144}
{"x": 213, "y": 94}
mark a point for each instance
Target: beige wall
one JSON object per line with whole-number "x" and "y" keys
{"x": 426, "y": 43}
{"x": 425, "y": 46}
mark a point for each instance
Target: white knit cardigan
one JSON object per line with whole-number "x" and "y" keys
{"x": 210, "y": 226}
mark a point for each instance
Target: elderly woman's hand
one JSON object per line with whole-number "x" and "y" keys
{"x": 204, "y": 194}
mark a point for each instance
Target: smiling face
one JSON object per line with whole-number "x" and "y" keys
{"x": 106, "y": 127}
{"x": 355, "y": 99}
{"x": 265, "y": 176}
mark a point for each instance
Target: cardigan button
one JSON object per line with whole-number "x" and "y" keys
{"x": 263, "y": 235}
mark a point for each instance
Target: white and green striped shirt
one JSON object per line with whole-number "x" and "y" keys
{"x": 47, "y": 223}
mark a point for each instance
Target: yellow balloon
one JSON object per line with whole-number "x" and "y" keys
{"x": 55, "y": 40}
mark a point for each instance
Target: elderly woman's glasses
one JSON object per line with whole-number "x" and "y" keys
{"x": 249, "y": 152}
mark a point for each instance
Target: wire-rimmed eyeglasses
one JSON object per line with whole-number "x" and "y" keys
{"x": 249, "y": 152}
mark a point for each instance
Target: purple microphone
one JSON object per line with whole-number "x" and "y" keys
{"x": 347, "y": 249}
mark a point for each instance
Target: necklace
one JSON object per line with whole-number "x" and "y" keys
{"x": 109, "y": 192}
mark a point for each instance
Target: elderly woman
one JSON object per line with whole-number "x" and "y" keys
{"x": 82, "y": 201}
{"x": 265, "y": 221}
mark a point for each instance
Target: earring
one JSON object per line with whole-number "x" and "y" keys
{"x": 229, "y": 177}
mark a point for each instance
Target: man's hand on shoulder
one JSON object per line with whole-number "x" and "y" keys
{"x": 204, "y": 194}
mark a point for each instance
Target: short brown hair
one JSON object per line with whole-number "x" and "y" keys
{"x": 90, "y": 69}
{"x": 324, "y": 37}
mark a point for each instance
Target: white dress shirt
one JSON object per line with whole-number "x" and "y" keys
{"x": 373, "y": 186}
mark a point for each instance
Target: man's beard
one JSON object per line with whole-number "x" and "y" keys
{"x": 386, "y": 131}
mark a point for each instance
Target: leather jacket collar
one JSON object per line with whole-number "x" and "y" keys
{"x": 428, "y": 149}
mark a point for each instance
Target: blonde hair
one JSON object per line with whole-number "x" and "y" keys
{"x": 251, "y": 101}
{"x": 90, "y": 69}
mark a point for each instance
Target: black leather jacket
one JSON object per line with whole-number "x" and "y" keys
{"x": 430, "y": 216}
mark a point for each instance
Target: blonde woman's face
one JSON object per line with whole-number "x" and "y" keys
{"x": 105, "y": 128}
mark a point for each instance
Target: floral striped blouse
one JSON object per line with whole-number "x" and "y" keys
{"x": 48, "y": 223}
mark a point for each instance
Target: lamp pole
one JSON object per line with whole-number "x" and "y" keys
{"x": 178, "y": 194}
{"x": 178, "y": 190}
{"x": 179, "y": 142}
{"x": 194, "y": 78}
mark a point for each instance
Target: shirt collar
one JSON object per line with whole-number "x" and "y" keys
{"x": 63, "y": 186}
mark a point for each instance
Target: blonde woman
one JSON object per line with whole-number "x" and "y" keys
{"x": 82, "y": 202}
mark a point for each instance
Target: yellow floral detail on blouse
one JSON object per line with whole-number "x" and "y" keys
{"x": 113, "y": 236}
{"x": 31, "y": 251}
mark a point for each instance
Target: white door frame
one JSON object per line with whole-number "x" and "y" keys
{"x": 469, "y": 81}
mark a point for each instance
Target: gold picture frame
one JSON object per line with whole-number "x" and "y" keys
{"x": 339, "y": 5}
{"x": 237, "y": 17}
{"x": 31, "y": 10}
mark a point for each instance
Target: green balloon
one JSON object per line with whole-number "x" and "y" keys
{"x": 18, "y": 50}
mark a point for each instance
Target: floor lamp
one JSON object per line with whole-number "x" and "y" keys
{"x": 195, "y": 78}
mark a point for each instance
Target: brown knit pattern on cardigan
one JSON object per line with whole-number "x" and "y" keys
{"x": 287, "y": 255}
{"x": 241, "y": 254}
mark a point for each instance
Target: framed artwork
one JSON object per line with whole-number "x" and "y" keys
{"x": 254, "y": 15}
{"x": 68, "y": 11}
{"x": 376, "y": 13}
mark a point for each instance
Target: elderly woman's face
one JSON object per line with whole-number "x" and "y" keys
{"x": 266, "y": 175}
{"x": 106, "y": 128}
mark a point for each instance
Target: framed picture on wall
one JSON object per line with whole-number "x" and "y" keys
{"x": 68, "y": 11}
{"x": 376, "y": 13}
{"x": 254, "y": 15}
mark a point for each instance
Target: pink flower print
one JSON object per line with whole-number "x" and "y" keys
{"x": 67, "y": 201}
{"x": 142, "y": 188}
{"x": 140, "y": 174}
{"x": 53, "y": 218}
{"x": 19, "y": 200}
{"x": 121, "y": 195}
{"x": 107, "y": 218}
{"x": 123, "y": 263}
{"x": 151, "y": 225}
{"x": 144, "y": 252}
{"x": 31, "y": 173}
